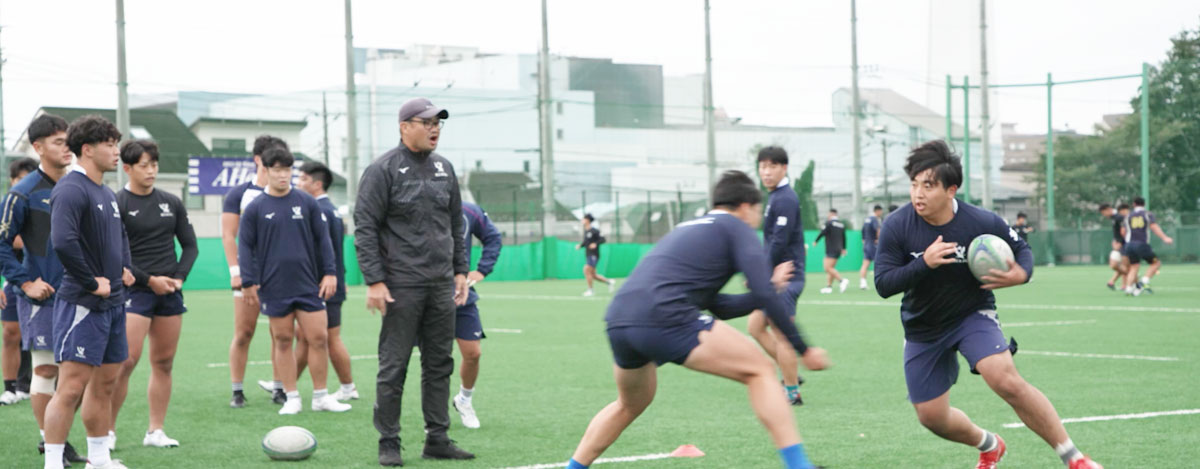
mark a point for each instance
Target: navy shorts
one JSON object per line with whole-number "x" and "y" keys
{"x": 835, "y": 255}
{"x": 333, "y": 315}
{"x": 792, "y": 294}
{"x": 467, "y": 325}
{"x": 593, "y": 260}
{"x": 1138, "y": 252}
{"x": 9, "y": 313}
{"x": 869, "y": 251}
{"x": 635, "y": 346}
{"x": 91, "y": 337}
{"x": 930, "y": 368}
{"x": 285, "y": 306}
{"x": 37, "y": 325}
{"x": 143, "y": 302}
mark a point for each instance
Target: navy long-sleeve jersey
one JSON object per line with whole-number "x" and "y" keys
{"x": 782, "y": 233}
{"x": 687, "y": 268}
{"x": 870, "y": 230}
{"x": 478, "y": 225}
{"x": 284, "y": 246}
{"x": 89, "y": 238}
{"x": 26, "y": 213}
{"x": 937, "y": 300}
{"x": 337, "y": 236}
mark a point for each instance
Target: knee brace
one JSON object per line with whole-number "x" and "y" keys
{"x": 38, "y": 384}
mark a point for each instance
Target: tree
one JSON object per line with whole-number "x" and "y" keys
{"x": 804, "y": 191}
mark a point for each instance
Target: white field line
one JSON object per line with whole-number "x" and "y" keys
{"x": 1098, "y": 355}
{"x": 644, "y": 457}
{"x": 268, "y": 362}
{"x": 1104, "y": 418}
{"x": 1007, "y": 325}
{"x": 504, "y": 331}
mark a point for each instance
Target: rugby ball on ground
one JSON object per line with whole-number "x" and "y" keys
{"x": 289, "y": 443}
{"x": 1114, "y": 256}
{"x": 988, "y": 252}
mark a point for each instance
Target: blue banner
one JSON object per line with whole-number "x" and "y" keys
{"x": 215, "y": 176}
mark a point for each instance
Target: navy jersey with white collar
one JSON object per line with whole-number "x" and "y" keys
{"x": 26, "y": 213}
{"x": 684, "y": 272}
{"x": 284, "y": 246}
{"x": 870, "y": 230}
{"x": 937, "y": 300}
{"x": 89, "y": 238}
{"x": 478, "y": 225}
{"x": 782, "y": 233}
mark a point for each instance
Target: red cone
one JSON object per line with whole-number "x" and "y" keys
{"x": 687, "y": 451}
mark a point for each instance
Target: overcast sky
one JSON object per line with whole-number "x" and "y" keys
{"x": 775, "y": 61}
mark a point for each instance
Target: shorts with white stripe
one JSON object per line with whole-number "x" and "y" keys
{"x": 89, "y": 337}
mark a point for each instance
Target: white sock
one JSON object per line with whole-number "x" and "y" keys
{"x": 43, "y": 433}
{"x": 465, "y": 393}
{"x": 320, "y": 393}
{"x": 278, "y": 385}
{"x": 54, "y": 456}
{"x": 295, "y": 395}
{"x": 348, "y": 387}
{"x": 988, "y": 443}
{"x": 1067, "y": 452}
{"x": 97, "y": 454}
{"x": 237, "y": 387}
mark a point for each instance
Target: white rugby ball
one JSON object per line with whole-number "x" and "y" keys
{"x": 289, "y": 443}
{"x": 1114, "y": 256}
{"x": 988, "y": 252}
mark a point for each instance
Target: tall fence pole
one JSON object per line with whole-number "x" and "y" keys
{"x": 967, "y": 138}
{"x": 649, "y": 226}
{"x": 1145, "y": 131}
{"x": 617, "y": 204}
{"x": 1050, "y": 224}
{"x": 949, "y": 137}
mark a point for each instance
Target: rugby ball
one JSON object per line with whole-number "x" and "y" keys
{"x": 1114, "y": 256}
{"x": 289, "y": 443}
{"x": 988, "y": 252}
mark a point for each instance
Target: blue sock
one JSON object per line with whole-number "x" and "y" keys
{"x": 792, "y": 391}
{"x": 794, "y": 457}
{"x": 573, "y": 464}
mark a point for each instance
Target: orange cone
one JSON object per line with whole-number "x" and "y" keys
{"x": 687, "y": 451}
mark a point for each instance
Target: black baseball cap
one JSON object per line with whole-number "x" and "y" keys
{"x": 422, "y": 108}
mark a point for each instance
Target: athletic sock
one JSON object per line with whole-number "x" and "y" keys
{"x": 10, "y": 385}
{"x": 237, "y": 387}
{"x": 320, "y": 393}
{"x": 1067, "y": 452}
{"x": 794, "y": 457}
{"x": 348, "y": 387}
{"x": 97, "y": 454}
{"x": 465, "y": 393}
{"x": 43, "y": 433}
{"x": 792, "y": 391}
{"x": 573, "y": 464}
{"x": 54, "y": 456}
{"x": 295, "y": 395}
{"x": 278, "y": 385}
{"x": 988, "y": 443}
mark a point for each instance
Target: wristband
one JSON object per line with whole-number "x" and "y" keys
{"x": 235, "y": 271}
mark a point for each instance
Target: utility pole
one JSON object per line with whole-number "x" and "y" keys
{"x": 887, "y": 195}
{"x": 122, "y": 81}
{"x": 983, "y": 91}
{"x": 855, "y": 105}
{"x": 547, "y": 128}
{"x": 709, "y": 117}
{"x": 351, "y": 157}
{"x": 325, "y": 129}
{"x": 3, "y": 148}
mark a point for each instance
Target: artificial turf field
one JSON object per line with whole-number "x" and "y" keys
{"x": 547, "y": 370}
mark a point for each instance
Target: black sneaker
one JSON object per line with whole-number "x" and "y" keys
{"x": 238, "y": 401}
{"x": 444, "y": 450}
{"x": 1111, "y": 286}
{"x": 70, "y": 455}
{"x": 797, "y": 401}
{"x": 279, "y": 397}
{"x": 389, "y": 452}
{"x": 66, "y": 461}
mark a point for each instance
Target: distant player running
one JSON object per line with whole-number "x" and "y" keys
{"x": 1138, "y": 225}
{"x": 315, "y": 179}
{"x": 922, "y": 253}
{"x": 1117, "y": 260}
{"x": 288, "y": 269}
{"x": 870, "y": 238}
{"x": 591, "y": 246}
{"x": 153, "y": 219}
{"x": 655, "y": 318}
{"x": 834, "y": 233}
{"x": 468, "y": 330}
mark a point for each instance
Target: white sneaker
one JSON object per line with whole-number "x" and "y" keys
{"x": 1145, "y": 280}
{"x": 9, "y": 398}
{"x": 862, "y": 284}
{"x": 22, "y": 395}
{"x": 158, "y": 439}
{"x": 268, "y": 386}
{"x": 326, "y": 404}
{"x": 612, "y": 285}
{"x": 588, "y": 292}
{"x": 827, "y": 290}
{"x": 466, "y": 411}
{"x": 112, "y": 441}
{"x": 344, "y": 395}
{"x": 112, "y": 464}
{"x": 842, "y": 286}
{"x": 291, "y": 407}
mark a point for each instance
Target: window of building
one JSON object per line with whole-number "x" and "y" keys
{"x": 559, "y": 107}
{"x": 559, "y": 133}
{"x": 229, "y": 145}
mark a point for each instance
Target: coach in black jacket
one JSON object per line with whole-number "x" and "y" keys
{"x": 408, "y": 212}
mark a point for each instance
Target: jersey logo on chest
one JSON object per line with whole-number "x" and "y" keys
{"x": 165, "y": 209}
{"x": 296, "y": 215}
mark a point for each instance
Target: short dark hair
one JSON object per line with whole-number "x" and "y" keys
{"x": 131, "y": 151}
{"x": 589, "y": 217}
{"x": 265, "y": 142}
{"x": 89, "y": 130}
{"x": 878, "y": 207}
{"x": 833, "y": 210}
{"x": 24, "y": 165}
{"x": 277, "y": 156}
{"x": 1139, "y": 202}
{"x": 734, "y": 189}
{"x": 44, "y": 126}
{"x": 935, "y": 155}
{"x": 1123, "y": 206}
{"x": 1021, "y": 215}
{"x": 318, "y": 171}
{"x": 1104, "y": 207}
{"x": 893, "y": 207}
{"x": 773, "y": 154}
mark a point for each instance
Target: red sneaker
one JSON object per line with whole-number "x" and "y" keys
{"x": 989, "y": 459}
{"x": 1085, "y": 463}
